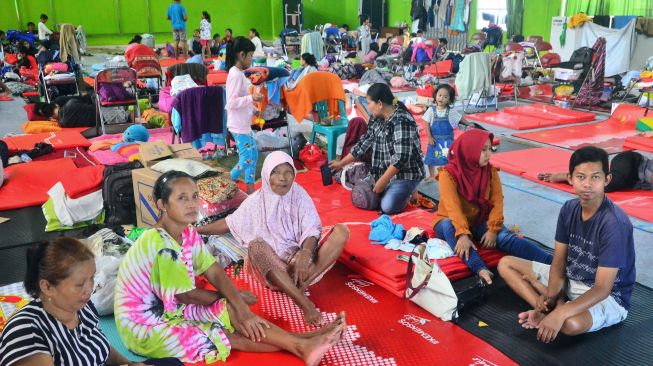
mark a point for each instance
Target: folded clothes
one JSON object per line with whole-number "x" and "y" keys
{"x": 396, "y": 244}
{"x": 437, "y": 249}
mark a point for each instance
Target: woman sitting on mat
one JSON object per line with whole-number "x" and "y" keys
{"x": 629, "y": 170}
{"x": 282, "y": 230}
{"x": 59, "y": 327}
{"x": 397, "y": 160}
{"x": 159, "y": 311}
{"x": 471, "y": 206}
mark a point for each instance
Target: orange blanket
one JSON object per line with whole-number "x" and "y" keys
{"x": 313, "y": 88}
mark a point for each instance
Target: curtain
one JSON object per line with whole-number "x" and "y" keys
{"x": 515, "y": 17}
{"x": 642, "y": 8}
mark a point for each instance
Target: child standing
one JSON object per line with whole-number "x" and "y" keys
{"x": 44, "y": 32}
{"x": 195, "y": 44}
{"x": 240, "y": 109}
{"x": 441, "y": 120}
{"x": 205, "y": 34}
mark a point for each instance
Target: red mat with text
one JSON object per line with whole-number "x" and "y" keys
{"x": 609, "y": 134}
{"x": 528, "y": 163}
{"x": 382, "y": 329}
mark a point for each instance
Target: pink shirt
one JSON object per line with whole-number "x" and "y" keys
{"x": 240, "y": 105}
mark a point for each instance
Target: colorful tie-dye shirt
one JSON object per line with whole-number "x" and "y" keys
{"x": 149, "y": 318}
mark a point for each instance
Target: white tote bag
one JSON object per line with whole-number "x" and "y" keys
{"x": 429, "y": 287}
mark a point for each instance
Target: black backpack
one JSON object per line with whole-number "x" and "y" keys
{"x": 118, "y": 194}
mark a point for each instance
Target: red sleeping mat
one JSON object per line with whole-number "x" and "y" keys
{"x": 382, "y": 329}
{"x": 562, "y": 116}
{"x": 512, "y": 121}
{"x": 528, "y": 163}
{"x": 59, "y": 140}
{"x": 381, "y": 265}
{"x": 639, "y": 143}
{"x": 27, "y": 184}
{"x": 609, "y": 134}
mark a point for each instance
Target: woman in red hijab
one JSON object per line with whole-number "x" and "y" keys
{"x": 471, "y": 206}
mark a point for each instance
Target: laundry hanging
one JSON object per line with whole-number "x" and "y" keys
{"x": 620, "y": 45}
{"x": 590, "y": 93}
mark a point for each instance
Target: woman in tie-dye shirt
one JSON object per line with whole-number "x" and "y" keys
{"x": 160, "y": 313}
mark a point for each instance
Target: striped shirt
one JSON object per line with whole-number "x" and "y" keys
{"x": 32, "y": 331}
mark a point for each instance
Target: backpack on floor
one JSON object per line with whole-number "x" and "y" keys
{"x": 118, "y": 194}
{"x": 363, "y": 196}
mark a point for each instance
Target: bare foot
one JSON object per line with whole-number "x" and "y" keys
{"x": 537, "y": 285}
{"x": 486, "y": 276}
{"x": 530, "y": 319}
{"x": 312, "y": 316}
{"x": 248, "y": 297}
{"x": 325, "y": 329}
{"x": 319, "y": 345}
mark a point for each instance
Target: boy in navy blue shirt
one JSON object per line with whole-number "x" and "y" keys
{"x": 589, "y": 284}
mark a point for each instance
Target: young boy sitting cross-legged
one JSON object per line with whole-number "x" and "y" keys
{"x": 589, "y": 284}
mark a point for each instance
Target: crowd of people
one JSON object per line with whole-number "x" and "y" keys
{"x": 160, "y": 313}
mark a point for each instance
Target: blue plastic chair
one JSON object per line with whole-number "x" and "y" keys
{"x": 339, "y": 126}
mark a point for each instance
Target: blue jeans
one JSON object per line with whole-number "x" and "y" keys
{"x": 506, "y": 242}
{"x": 397, "y": 195}
{"x": 247, "y": 157}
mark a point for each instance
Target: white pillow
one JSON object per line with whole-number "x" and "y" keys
{"x": 190, "y": 167}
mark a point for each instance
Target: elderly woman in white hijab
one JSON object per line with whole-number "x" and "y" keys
{"x": 282, "y": 230}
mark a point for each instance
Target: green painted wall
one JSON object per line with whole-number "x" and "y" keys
{"x": 330, "y": 11}
{"x": 102, "y": 25}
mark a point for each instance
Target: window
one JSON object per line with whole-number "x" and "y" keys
{"x": 491, "y": 10}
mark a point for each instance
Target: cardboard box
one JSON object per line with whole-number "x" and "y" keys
{"x": 153, "y": 152}
{"x": 143, "y": 181}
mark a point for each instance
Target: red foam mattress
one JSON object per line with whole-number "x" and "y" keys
{"x": 512, "y": 121}
{"x": 528, "y": 163}
{"x": 27, "y": 184}
{"x": 560, "y": 115}
{"x": 609, "y": 134}
{"x": 59, "y": 140}
{"x": 639, "y": 143}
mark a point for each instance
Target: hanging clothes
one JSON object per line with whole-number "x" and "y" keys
{"x": 590, "y": 92}
{"x": 458, "y": 21}
{"x": 442, "y": 10}
{"x": 200, "y": 110}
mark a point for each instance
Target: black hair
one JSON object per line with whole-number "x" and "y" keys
{"x": 345, "y": 27}
{"x": 443, "y": 41}
{"x": 206, "y": 16}
{"x": 413, "y": 34}
{"x": 240, "y": 44}
{"x": 253, "y": 30}
{"x": 2, "y": 32}
{"x": 44, "y": 109}
{"x": 31, "y": 23}
{"x": 43, "y": 16}
{"x": 53, "y": 261}
{"x": 216, "y": 35}
{"x": 309, "y": 59}
{"x": 364, "y": 17}
{"x": 46, "y": 44}
{"x": 450, "y": 89}
{"x": 230, "y": 31}
{"x": 163, "y": 185}
{"x": 374, "y": 47}
{"x": 380, "y": 92}
{"x": 137, "y": 39}
{"x": 589, "y": 154}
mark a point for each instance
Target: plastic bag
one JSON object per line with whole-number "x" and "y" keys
{"x": 268, "y": 140}
{"x": 105, "y": 282}
{"x": 312, "y": 157}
